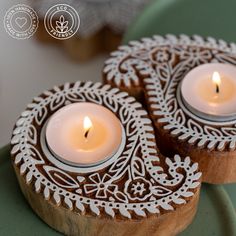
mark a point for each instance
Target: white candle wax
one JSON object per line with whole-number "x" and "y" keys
{"x": 83, "y": 134}
{"x": 209, "y": 91}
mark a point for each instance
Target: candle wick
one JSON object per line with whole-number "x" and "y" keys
{"x": 86, "y": 133}
{"x": 217, "y": 88}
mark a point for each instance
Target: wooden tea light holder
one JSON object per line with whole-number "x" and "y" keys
{"x": 136, "y": 191}
{"x": 153, "y": 70}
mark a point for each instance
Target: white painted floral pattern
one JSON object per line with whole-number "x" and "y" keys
{"x": 135, "y": 182}
{"x": 100, "y": 186}
{"x": 159, "y": 64}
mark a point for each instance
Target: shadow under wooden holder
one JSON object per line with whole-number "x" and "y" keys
{"x": 153, "y": 68}
{"x": 138, "y": 192}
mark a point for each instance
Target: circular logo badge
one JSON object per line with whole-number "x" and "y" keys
{"x": 21, "y": 21}
{"x": 62, "y": 21}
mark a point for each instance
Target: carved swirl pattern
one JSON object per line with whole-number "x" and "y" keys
{"x": 158, "y": 65}
{"x": 138, "y": 183}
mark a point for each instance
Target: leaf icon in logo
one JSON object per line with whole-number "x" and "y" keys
{"x": 62, "y": 24}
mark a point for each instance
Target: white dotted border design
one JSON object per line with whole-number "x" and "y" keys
{"x": 154, "y": 59}
{"x": 148, "y": 187}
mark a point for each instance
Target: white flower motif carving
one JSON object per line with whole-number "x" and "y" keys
{"x": 138, "y": 189}
{"x": 195, "y": 56}
{"x": 100, "y": 186}
{"x": 161, "y": 55}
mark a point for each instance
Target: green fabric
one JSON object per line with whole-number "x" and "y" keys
{"x": 231, "y": 190}
{"x": 16, "y": 216}
{"x": 215, "y": 216}
{"x": 214, "y": 18}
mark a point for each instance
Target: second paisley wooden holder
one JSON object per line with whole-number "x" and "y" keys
{"x": 136, "y": 192}
{"x": 153, "y": 68}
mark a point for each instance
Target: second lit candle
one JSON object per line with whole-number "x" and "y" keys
{"x": 209, "y": 91}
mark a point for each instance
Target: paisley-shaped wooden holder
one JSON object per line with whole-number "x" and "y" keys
{"x": 136, "y": 192}
{"x": 151, "y": 70}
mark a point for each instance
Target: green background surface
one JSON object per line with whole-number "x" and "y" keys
{"x": 214, "y": 18}
{"x": 215, "y": 216}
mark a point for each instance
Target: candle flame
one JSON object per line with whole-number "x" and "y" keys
{"x": 216, "y": 80}
{"x": 87, "y": 125}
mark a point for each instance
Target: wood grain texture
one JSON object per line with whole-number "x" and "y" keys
{"x": 73, "y": 224}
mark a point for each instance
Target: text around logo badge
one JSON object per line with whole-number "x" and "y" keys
{"x": 21, "y": 21}
{"x": 61, "y": 21}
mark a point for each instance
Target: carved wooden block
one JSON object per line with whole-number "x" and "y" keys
{"x": 137, "y": 192}
{"x": 153, "y": 68}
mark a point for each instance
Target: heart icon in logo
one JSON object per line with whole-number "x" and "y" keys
{"x": 21, "y": 21}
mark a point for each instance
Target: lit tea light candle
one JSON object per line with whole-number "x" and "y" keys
{"x": 83, "y": 134}
{"x": 209, "y": 91}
